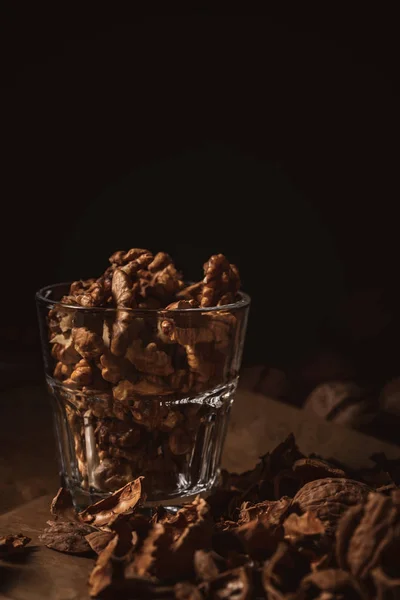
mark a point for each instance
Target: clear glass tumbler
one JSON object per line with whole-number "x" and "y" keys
{"x": 140, "y": 392}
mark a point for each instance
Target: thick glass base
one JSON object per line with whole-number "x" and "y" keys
{"x": 176, "y": 444}
{"x": 83, "y": 498}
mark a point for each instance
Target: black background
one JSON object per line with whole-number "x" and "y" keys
{"x": 272, "y": 138}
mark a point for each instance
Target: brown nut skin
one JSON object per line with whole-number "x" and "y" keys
{"x": 122, "y": 258}
{"x": 62, "y": 371}
{"x": 111, "y": 474}
{"x": 87, "y": 343}
{"x": 63, "y": 350}
{"x": 113, "y": 368}
{"x": 124, "y": 391}
{"x": 149, "y": 359}
{"x": 81, "y": 375}
{"x": 221, "y": 282}
{"x": 116, "y": 433}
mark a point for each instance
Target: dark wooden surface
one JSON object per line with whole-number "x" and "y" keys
{"x": 40, "y": 573}
{"x": 29, "y": 472}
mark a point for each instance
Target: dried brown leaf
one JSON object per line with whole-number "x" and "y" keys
{"x": 231, "y": 585}
{"x": 123, "y": 500}
{"x": 168, "y": 550}
{"x": 299, "y": 527}
{"x": 208, "y": 565}
{"x": 272, "y": 512}
{"x": 276, "y": 582}
{"x": 187, "y": 591}
{"x": 386, "y": 586}
{"x": 10, "y": 544}
{"x": 368, "y": 537}
{"x": 98, "y": 540}
{"x": 101, "y": 576}
{"x": 259, "y": 538}
{"x": 62, "y": 506}
{"x": 332, "y": 584}
{"x": 65, "y": 536}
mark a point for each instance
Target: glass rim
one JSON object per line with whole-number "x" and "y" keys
{"x": 41, "y": 296}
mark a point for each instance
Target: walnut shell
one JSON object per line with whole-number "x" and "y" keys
{"x": 329, "y": 498}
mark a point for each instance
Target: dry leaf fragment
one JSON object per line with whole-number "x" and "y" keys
{"x": 98, "y": 540}
{"x": 298, "y": 527}
{"x": 168, "y": 550}
{"x": 10, "y": 544}
{"x": 368, "y": 537}
{"x": 259, "y": 538}
{"x": 66, "y": 537}
{"x": 123, "y": 500}
{"x": 276, "y": 582}
{"x": 187, "y": 591}
{"x": 271, "y": 512}
{"x": 62, "y": 506}
{"x": 101, "y": 576}
{"x": 387, "y": 587}
{"x": 231, "y": 585}
{"x": 208, "y": 565}
{"x": 330, "y": 584}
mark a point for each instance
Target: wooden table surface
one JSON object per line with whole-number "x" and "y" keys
{"x": 42, "y": 573}
{"x": 28, "y": 459}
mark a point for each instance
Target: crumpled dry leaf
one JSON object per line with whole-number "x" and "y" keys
{"x": 368, "y": 537}
{"x": 299, "y": 527}
{"x": 169, "y": 548}
{"x": 208, "y": 564}
{"x": 231, "y": 585}
{"x": 257, "y": 484}
{"x": 187, "y": 591}
{"x": 11, "y": 544}
{"x": 153, "y": 550}
{"x": 98, "y": 540}
{"x": 123, "y": 500}
{"x": 276, "y": 580}
{"x": 330, "y": 584}
{"x": 107, "y": 578}
{"x": 101, "y": 576}
{"x": 62, "y": 506}
{"x": 259, "y": 538}
{"x": 65, "y": 536}
{"x": 387, "y": 587}
{"x": 389, "y": 466}
{"x": 272, "y": 512}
